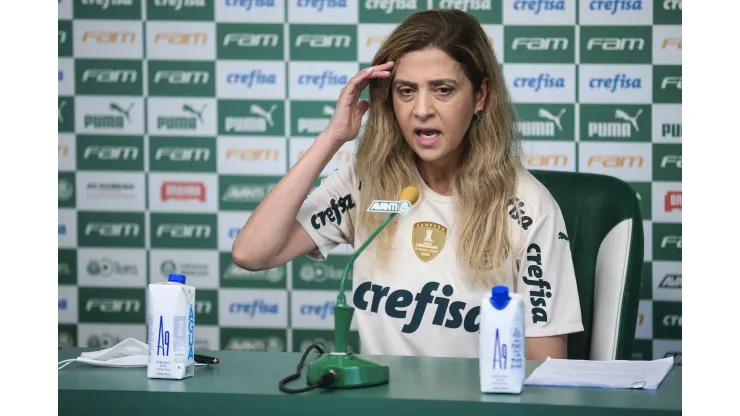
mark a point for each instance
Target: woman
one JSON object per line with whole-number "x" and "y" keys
{"x": 440, "y": 119}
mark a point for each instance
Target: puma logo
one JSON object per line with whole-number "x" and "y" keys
{"x": 549, "y": 116}
{"x": 620, "y": 114}
{"x": 562, "y": 236}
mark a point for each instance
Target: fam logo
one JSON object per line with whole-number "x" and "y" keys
{"x": 250, "y": 42}
{"x": 331, "y": 43}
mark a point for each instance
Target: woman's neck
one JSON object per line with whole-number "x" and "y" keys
{"x": 438, "y": 175}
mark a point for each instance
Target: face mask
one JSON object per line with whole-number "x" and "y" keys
{"x": 127, "y": 353}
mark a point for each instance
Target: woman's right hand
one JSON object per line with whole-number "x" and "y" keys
{"x": 345, "y": 123}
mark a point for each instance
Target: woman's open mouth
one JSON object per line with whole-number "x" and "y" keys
{"x": 427, "y": 137}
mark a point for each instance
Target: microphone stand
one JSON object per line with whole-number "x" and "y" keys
{"x": 351, "y": 370}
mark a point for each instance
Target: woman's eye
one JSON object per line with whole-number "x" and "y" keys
{"x": 444, "y": 90}
{"x": 404, "y": 91}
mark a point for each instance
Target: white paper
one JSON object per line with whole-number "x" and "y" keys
{"x": 615, "y": 374}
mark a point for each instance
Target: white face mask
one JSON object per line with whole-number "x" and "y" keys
{"x": 127, "y": 353}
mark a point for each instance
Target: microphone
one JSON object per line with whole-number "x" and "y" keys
{"x": 346, "y": 369}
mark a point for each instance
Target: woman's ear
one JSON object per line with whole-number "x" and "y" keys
{"x": 481, "y": 95}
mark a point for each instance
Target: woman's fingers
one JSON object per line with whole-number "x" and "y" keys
{"x": 359, "y": 82}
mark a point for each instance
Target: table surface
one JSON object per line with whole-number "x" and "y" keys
{"x": 438, "y": 385}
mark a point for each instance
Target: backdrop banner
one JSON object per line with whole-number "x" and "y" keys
{"x": 177, "y": 116}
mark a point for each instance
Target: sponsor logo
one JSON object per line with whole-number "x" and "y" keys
{"x": 105, "y": 267}
{"x": 117, "y": 153}
{"x": 310, "y": 118}
{"x": 554, "y": 122}
{"x": 64, "y": 38}
{"x": 399, "y": 207}
{"x": 619, "y": 81}
{"x": 517, "y": 213}
{"x": 251, "y": 117}
{"x": 189, "y": 121}
{"x": 672, "y": 201}
{"x": 182, "y": 78}
{"x": 108, "y": 9}
{"x": 241, "y": 193}
{"x": 667, "y": 241}
{"x": 253, "y": 41}
{"x": 616, "y": 44}
{"x": 111, "y": 229}
{"x": 616, "y": 122}
{"x": 115, "y": 121}
{"x": 326, "y": 78}
{"x": 66, "y": 190}
{"x": 671, "y": 281}
{"x": 388, "y": 11}
{"x": 540, "y": 44}
{"x": 252, "y": 155}
{"x": 667, "y": 12}
{"x": 667, "y": 84}
{"x": 109, "y": 37}
{"x": 240, "y": 339}
{"x": 537, "y": 297}
{"x": 112, "y": 305}
{"x": 182, "y": 154}
{"x": 486, "y": 11}
{"x": 615, "y": 161}
{"x": 542, "y": 81}
{"x": 65, "y": 115}
{"x": 255, "y": 307}
{"x": 197, "y": 231}
{"x": 108, "y": 77}
{"x": 181, "y": 38}
{"x": 252, "y": 79}
{"x": 183, "y": 191}
{"x": 667, "y": 162}
{"x": 397, "y": 302}
{"x": 312, "y": 275}
{"x": 539, "y": 161}
{"x": 333, "y": 214}
{"x": 180, "y": 10}
{"x": 330, "y": 43}
{"x": 614, "y": 7}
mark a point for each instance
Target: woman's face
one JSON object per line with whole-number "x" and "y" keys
{"x": 434, "y": 103}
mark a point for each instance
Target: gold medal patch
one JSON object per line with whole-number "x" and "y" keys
{"x": 428, "y": 238}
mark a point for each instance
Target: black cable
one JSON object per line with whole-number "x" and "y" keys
{"x": 325, "y": 380}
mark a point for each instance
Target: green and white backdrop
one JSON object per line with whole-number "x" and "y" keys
{"x": 177, "y": 116}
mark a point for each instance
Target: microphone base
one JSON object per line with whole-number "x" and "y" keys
{"x": 352, "y": 371}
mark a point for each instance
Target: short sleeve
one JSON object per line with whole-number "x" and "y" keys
{"x": 328, "y": 213}
{"x": 547, "y": 279}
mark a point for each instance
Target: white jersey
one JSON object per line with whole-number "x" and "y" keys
{"x": 419, "y": 304}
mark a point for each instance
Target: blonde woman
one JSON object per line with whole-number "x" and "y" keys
{"x": 440, "y": 118}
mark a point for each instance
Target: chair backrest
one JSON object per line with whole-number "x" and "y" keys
{"x": 604, "y": 225}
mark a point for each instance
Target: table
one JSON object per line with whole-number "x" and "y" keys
{"x": 246, "y": 383}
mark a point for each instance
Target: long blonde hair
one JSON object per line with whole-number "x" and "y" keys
{"x": 487, "y": 179}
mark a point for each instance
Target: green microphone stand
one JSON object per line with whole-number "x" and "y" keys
{"x": 352, "y": 371}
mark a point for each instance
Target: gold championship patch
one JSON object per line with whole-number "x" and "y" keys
{"x": 428, "y": 238}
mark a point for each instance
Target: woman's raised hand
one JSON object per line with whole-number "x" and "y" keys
{"x": 345, "y": 123}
